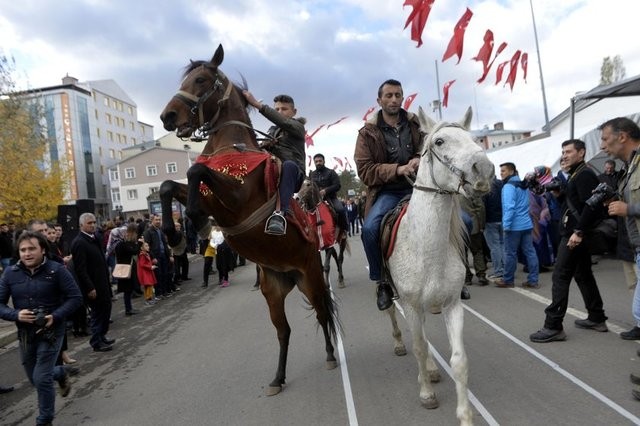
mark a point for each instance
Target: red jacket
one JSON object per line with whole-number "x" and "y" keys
{"x": 146, "y": 276}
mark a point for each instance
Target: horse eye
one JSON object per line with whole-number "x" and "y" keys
{"x": 439, "y": 141}
{"x": 200, "y": 80}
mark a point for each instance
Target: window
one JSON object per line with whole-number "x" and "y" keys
{"x": 98, "y": 131}
{"x": 153, "y": 190}
{"x": 97, "y": 116}
{"x": 112, "y": 153}
{"x": 152, "y": 170}
{"x": 132, "y": 194}
{"x": 100, "y": 151}
{"x": 132, "y": 125}
{"x": 172, "y": 168}
{"x": 124, "y": 139}
{"x": 133, "y": 141}
{"x": 130, "y": 173}
{"x": 107, "y": 117}
{"x": 106, "y": 101}
{"x": 130, "y": 110}
{"x": 115, "y": 195}
{"x": 120, "y": 155}
{"x": 110, "y": 135}
{"x": 114, "y": 175}
{"x": 101, "y": 170}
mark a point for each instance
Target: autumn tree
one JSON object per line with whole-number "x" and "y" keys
{"x": 31, "y": 185}
{"x": 612, "y": 70}
{"x": 348, "y": 180}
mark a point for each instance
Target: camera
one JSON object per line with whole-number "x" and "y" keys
{"x": 602, "y": 193}
{"x": 40, "y": 314}
{"x": 555, "y": 185}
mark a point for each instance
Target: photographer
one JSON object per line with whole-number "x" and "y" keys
{"x": 574, "y": 258}
{"x": 43, "y": 293}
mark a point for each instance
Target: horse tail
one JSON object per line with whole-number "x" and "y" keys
{"x": 333, "y": 320}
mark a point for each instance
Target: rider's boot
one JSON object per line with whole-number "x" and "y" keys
{"x": 385, "y": 295}
{"x": 276, "y": 224}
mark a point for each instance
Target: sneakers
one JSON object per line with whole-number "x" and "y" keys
{"x": 530, "y": 285}
{"x": 634, "y": 379}
{"x": 501, "y": 284}
{"x": 65, "y": 385}
{"x": 483, "y": 281}
{"x": 633, "y": 334}
{"x": 588, "y": 324}
{"x": 545, "y": 335}
{"x": 224, "y": 283}
{"x": 150, "y": 302}
{"x": 276, "y": 224}
{"x": 384, "y": 294}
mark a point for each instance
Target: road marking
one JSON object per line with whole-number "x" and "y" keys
{"x": 472, "y": 398}
{"x": 344, "y": 370}
{"x": 617, "y": 408}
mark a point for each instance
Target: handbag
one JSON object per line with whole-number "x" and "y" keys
{"x": 122, "y": 271}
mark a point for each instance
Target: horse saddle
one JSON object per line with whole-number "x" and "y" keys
{"x": 389, "y": 226}
{"x": 322, "y": 218}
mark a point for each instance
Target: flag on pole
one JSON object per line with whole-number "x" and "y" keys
{"x": 336, "y": 122}
{"x": 456, "y": 43}
{"x": 499, "y": 71}
{"x": 347, "y": 163}
{"x": 513, "y": 70}
{"x": 418, "y": 18}
{"x": 524, "y": 61}
{"x": 369, "y": 111}
{"x": 445, "y": 90}
{"x": 308, "y": 138}
{"x": 408, "y": 100}
{"x": 502, "y": 46}
{"x": 339, "y": 161}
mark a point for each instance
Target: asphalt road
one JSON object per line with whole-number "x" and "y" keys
{"x": 206, "y": 356}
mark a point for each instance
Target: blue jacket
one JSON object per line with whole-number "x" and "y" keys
{"x": 51, "y": 286}
{"x": 515, "y": 206}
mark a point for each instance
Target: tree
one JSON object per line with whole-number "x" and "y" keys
{"x": 348, "y": 180}
{"x": 612, "y": 70}
{"x": 31, "y": 185}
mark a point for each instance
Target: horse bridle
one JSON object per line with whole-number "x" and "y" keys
{"x": 431, "y": 153}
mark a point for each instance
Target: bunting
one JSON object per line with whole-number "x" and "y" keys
{"x": 499, "y": 71}
{"x": 408, "y": 100}
{"x": 369, "y": 111}
{"x": 347, "y": 163}
{"x": 418, "y": 18}
{"x": 339, "y": 161}
{"x": 336, "y": 122}
{"x": 308, "y": 138}
{"x": 513, "y": 70}
{"x": 502, "y": 46}
{"x": 310, "y": 161}
{"x": 445, "y": 90}
{"x": 456, "y": 43}
{"x": 484, "y": 54}
{"x": 524, "y": 61}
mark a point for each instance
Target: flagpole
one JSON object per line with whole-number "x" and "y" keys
{"x": 438, "y": 90}
{"x": 544, "y": 96}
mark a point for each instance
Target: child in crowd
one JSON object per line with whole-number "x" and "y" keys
{"x": 146, "y": 277}
{"x": 225, "y": 261}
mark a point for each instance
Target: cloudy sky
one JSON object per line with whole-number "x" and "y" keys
{"x": 330, "y": 55}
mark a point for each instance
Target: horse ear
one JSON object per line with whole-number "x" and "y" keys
{"x": 466, "y": 120}
{"x": 426, "y": 122}
{"x": 218, "y": 56}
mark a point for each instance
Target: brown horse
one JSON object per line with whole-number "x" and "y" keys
{"x": 310, "y": 198}
{"x": 233, "y": 181}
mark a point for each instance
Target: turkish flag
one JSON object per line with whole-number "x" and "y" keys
{"x": 499, "y": 71}
{"x": 445, "y": 90}
{"x": 502, "y": 46}
{"x": 308, "y": 138}
{"x": 513, "y": 70}
{"x": 456, "y": 43}
{"x": 418, "y": 18}
{"x": 339, "y": 161}
{"x": 524, "y": 61}
{"x": 369, "y": 111}
{"x": 347, "y": 163}
{"x": 336, "y": 122}
{"x": 484, "y": 54}
{"x": 408, "y": 100}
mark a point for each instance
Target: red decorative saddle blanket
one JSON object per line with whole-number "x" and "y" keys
{"x": 389, "y": 227}
{"x": 321, "y": 219}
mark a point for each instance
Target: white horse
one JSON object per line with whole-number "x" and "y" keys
{"x": 427, "y": 263}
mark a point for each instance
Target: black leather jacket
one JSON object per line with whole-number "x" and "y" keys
{"x": 328, "y": 180}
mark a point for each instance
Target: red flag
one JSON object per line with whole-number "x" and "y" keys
{"x": 484, "y": 54}
{"x": 308, "y": 138}
{"x": 499, "y": 71}
{"x": 418, "y": 18}
{"x": 408, "y": 100}
{"x": 513, "y": 71}
{"x": 369, "y": 111}
{"x": 456, "y": 43}
{"x": 339, "y": 161}
{"x": 336, "y": 122}
{"x": 445, "y": 90}
{"x": 335, "y": 167}
{"x": 310, "y": 160}
{"x": 502, "y": 46}
{"x": 524, "y": 61}
{"x": 347, "y": 163}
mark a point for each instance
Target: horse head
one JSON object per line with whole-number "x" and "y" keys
{"x": 206, "y": 97}
{"x": 451, "y": 161}
{"x": 309, "y": 195}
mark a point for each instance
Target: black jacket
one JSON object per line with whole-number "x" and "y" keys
{"x": 90, "y": 267}
{"x": 328, "y": 180}
{"x": 289, "y": 134}
{"x": 151, "y": 236}
{"x": 581, "y": 183}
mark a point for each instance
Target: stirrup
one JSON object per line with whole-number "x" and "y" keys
{"x": 276, "y": 224}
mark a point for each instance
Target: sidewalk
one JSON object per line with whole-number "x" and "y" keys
{"x": 9, "y": 332}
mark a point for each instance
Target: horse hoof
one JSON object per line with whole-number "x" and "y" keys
{"x": 332, "y": 364}
{"x": 429, "y": 403}
{"x": 273, "y": 390}
{"x": 400, "y": 350}
{"x": 341, "y": 284}
{"x": 434, "y": 376}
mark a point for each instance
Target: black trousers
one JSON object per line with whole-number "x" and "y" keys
{"x": 573, "y": 263}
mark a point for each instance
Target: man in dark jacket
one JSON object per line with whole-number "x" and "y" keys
{"x": 328, "y": 182}
{"x": 161, "y": 252}
{"x": 6, "y": 246}
{"x": 43, "y": 294}
{"x": 387, "y": 151}
{"x": 90, "y": 267}
{"x": 493, "y": 227}
{"x": 288, "y": 145}
{"x": 574, "y": 258}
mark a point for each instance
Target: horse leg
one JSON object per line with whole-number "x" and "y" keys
{"x": 196, "y": 174}
{"x": 326, "y": 266}
{"x": 319, "y": 296}
{"x": 168, "y": 191}
{"x": 420, "y": 351}
{"x": 398, "y": 347}
{"x": 454, "y": 320}
{"x": 275, "y": 292}
{"x": 339, "y": 260}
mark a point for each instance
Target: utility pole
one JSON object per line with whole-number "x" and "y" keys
{"x": 439, "y": 104}
{"x": 544, "y": 96}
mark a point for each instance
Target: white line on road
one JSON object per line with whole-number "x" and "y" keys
{"x": 620, "y": 410}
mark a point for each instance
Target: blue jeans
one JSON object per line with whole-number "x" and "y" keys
{"x": 514, "y": 240}
{"x": 290, "y": 181}
{"x": 635, "y": 307}
{"x": 495, "y": 241}
{"x": 38, "y": 357}
{"x": 371, "y": 229}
